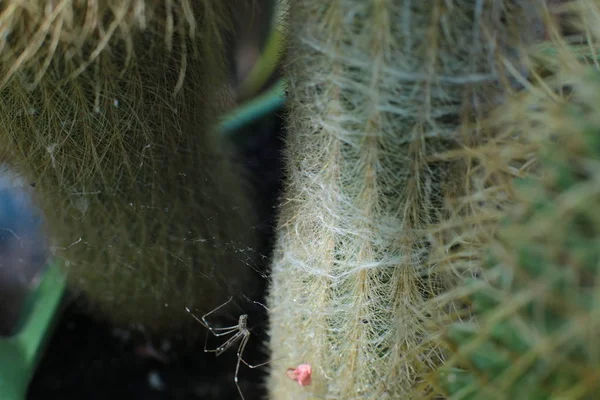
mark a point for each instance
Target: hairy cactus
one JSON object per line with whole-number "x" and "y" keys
{"x": 535, "y": 331}
{"x": 108, "y": 108}
{"x": 529, "y": 326}
{"x": 377, "y": 89}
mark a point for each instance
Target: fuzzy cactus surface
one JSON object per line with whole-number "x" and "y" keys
{"x": 376, "y": 90}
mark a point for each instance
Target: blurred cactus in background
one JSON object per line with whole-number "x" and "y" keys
{"x": 109, "y": 108}
{"x": 535, "y": 329}
{"x": 528, "y": 327}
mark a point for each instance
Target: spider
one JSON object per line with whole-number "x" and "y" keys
{"x": 240, "y": 333}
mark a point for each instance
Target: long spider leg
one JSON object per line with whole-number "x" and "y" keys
{"x": 214, "y": 331}
{"x": 237, "y": 365}
{"x": 207, "y": 350}
{"x": 262, "y": 305}
{"x": 219, "y": 350}
{"x": 241, "y": 351}
{"x": 218, "y": 308}
{"x": 197, "y": 319}
{"x": 206, "y": 343}
{"x": 230, "y": 342}
{"x": 256, "y": 365}
{"x": 203, "y": 321}
{"x": 230, "y": 330}
{"x": 236, "y": 326}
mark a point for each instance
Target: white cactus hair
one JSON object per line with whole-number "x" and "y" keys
{"x": 377, "y": 89}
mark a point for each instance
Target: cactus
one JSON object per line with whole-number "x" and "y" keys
{"x": 535, "y": 326}
{"x": 529, "y": 329}
{"x": 376, "y": 90}
{"x": 108, "y": 108}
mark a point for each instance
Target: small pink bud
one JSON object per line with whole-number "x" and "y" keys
{"x": 301, "y": 374}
